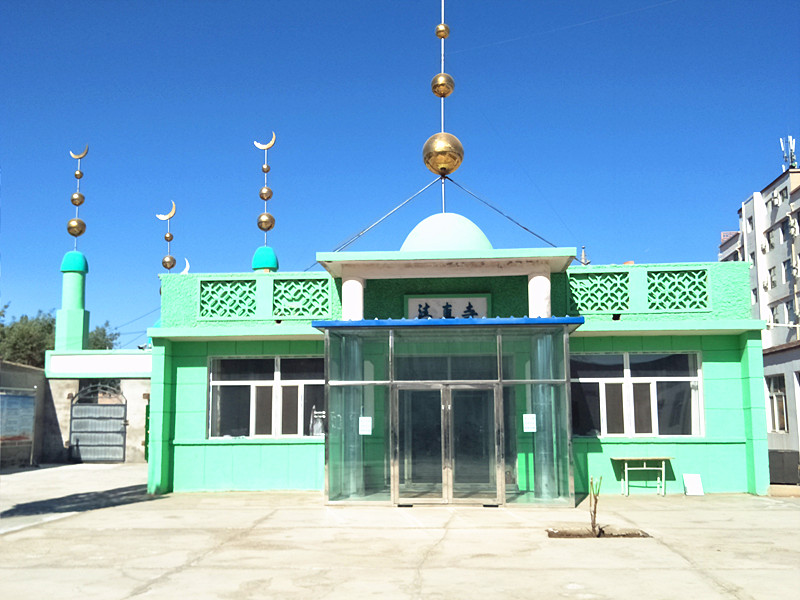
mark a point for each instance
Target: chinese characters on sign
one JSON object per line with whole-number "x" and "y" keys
{"x": 468, "y": 307}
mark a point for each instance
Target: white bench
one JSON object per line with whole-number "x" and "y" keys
{"x": 627, "y": 461}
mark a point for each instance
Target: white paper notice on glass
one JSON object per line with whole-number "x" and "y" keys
{"x": 529, "y": 422}
{"x": 364, "y": 425}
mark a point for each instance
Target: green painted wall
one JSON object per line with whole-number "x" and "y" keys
{"x": 730, "y": 457}
{"x": 384, "y": 298}
{"x": 728, "y": 287}
{"x": 182, "y": 458}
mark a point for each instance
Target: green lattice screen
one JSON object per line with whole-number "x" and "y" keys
{"x": 677, "y": 290}
{"x": 227, "y": 299}
{"x": 300, "y": 298}
{"x": 599, "y": 292}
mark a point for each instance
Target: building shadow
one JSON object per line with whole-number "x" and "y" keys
{"x": 82, "y": 502}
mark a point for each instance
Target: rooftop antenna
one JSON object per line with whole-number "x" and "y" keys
{"x": 443, "y": 152}
{"x": 76, "y": 227}
{"x": 789, "y": 156}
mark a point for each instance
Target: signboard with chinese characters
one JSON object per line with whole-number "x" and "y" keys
{"x": 474, "y": 306}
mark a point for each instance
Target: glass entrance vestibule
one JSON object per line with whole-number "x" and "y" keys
{"x": 439, "y": 412}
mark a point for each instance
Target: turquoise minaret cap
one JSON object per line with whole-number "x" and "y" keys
{"x": 74, "y": 262}
{"x": 265, "y": 259}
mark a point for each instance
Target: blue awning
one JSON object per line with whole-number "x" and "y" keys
{"x": 572, "y": 322}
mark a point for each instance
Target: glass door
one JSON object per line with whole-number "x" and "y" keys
{"x": 447, "y": 442}
{"x": 473, "y": 444}
{"x": 420, "y": 446}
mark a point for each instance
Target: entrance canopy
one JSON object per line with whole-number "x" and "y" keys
{"x": 448, "y": 410}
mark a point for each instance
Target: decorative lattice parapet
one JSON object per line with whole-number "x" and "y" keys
{"x": 599, "y": 292}
{"x": 301, "y": 298}
{"x": 228, "y": 299}
{"x": 677, "y": 290}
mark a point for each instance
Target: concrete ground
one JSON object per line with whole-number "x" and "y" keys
{"x": 90, "y": 531}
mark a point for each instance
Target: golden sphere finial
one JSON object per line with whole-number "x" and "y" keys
{"x": 77, "y": 198}
{"x": 169, "y": 237}
{"x": 443, "y": 153}
{"x": 443, "y": 85}
{"x": 168, "y": 262}
{"x": 266, "y": 221}
{"x": 78, "y": 174}
{"x": 442, "y": 31}
{"x": 76, "y": 227}
{"x": 265, "y": 193}
{"x": 265, "y": 168}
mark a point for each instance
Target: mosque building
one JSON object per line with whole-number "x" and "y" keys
{"x": 451, "y": 371}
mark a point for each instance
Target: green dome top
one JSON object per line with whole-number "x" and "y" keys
{"x": 445, "y": 231}
{"x": 74, "y": 262}
{"x": 265, "y": 258}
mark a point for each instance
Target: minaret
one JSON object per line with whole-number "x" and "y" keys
{"x": 265, "y": 259}
{"x": 72, "y": 320}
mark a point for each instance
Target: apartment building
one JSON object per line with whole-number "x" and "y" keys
{"x": 769, "y": 239}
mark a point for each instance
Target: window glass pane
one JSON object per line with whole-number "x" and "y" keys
{"x": 536, "y": 354}
{"x": 456, "y": 354}
{"x": 242, "y": 369}
{"x": 289, "y": 411}
{"x": 663, "y": 365}
{"x": 264, "y": 410}
{"x": 674, "y": 407}
{"x": 230, "y": 410}
{"x": 313, "y": 410}
{"x": 585, "y": 408}
{"x": 359, "y": 355}
{"x": 596, "y": 365}
{"x": 615, "y": 422}
{"x": 302, "y": 368}
{"x": 420, "y": 368}
{"x": 642, "y": 415}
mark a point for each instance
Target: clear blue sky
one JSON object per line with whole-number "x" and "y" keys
{"x": 634, "y": 128}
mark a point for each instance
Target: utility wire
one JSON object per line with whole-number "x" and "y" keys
{"x": 136, "y": 319}
{"x": 350, "y": 241}
{"x": 497, "y": 210}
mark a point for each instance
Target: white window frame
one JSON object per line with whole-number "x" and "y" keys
{"x": 276, "y": 385}
{"x": 773, "y": 423}
{"x": 627, "y": 381}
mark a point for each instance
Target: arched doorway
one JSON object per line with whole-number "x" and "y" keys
{"x": 98, "y": 421}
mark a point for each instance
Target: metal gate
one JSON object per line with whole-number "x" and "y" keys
{"x": 97, "y": 425}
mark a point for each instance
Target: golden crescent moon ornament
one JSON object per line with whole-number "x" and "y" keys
{"x": 81, "y": 155}
{"x": 266, "y": 146}
{"x": 169, "y": 215}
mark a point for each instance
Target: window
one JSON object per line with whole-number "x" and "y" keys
{"x": 787, "y": 270}
{"x": 635, "y": 394}
{"x": 749, "y": 224}
{"x": 786, "y": 235}
{"x": 776, "y": 388}
{"x": 774, "y": 315}
{"x": 266, "y": 396}
{"x": 784, "y": 194}
{"x": 752, "y": 259}
{"x": 771, "y": 239}
{"x": 753, "y": 295}
{"x": 790, "y": 316}
{"x": 773, "y": 277}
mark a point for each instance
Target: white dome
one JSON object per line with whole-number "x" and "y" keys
{"x": 445, "y": 231}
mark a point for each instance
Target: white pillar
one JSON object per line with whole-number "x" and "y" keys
{"x": 539, "y": 295}
{"x": 353, "y": 299}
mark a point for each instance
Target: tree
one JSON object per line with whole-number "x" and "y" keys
{"x": 102, "y": 337}
{"x": 26, "y": 339}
